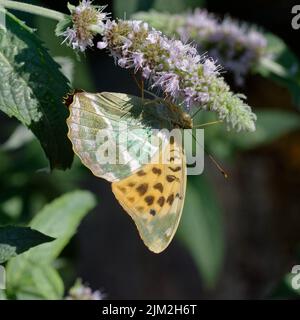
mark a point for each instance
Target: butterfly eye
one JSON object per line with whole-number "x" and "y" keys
{"x": 187, "y": 121}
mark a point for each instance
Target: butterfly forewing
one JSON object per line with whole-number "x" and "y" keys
{"x": 93, "y": 117}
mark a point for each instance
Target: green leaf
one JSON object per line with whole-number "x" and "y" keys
{"x": 177, "y": 5}
{"x": 67, "y": 67}
{"x": 81, "y": 75}
{"x": 59, "y": 219}
{"x": 39, "y": 281}
{"x": 18, "y": 139}
{"x": 126, "y": 8}
{"x": 201, "y": 229}
{"x": 2, "y": 295}
{"x": 15, "y": 240}
{"x": 12, "y": 207}
{"x": 63, "y": 26}
{"x": 271, "y": 125}
{"x": 285, "y": 70}
{"x": 32, "y": 88}
{"x": 129, "y": 7}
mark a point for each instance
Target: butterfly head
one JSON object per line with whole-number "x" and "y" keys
{"x": 182, "y": 119}
{"x": 186, "y": 121}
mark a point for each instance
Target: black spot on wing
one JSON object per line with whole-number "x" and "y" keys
{"x": 142, "y": 189}
{"x": 141, "y": 173}
{"x": 131, "y": 184}
{"x": 156, "y": 171}
{"x": 175, "y": 169}
{"x": 170, "y": 199}
{"x": 159, "y": 187}
{"x": 161, "y": 201}
{"x": 152, "y": 212}
{"x": 122, "y": 189}
{"x": 171, "y": 178}
{"x": 149, "y": 200}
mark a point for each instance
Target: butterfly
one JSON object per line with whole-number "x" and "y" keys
{"x": 151, "y": 192}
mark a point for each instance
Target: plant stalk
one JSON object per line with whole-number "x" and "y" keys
{"x": 37, "y": 10}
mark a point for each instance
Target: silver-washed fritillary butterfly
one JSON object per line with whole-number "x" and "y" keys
{"x": 152, "y": 193}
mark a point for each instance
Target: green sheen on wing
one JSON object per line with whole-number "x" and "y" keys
{"x": 94, "y": 117}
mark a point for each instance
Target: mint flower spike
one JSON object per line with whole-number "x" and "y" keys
{"x": 85, "y": 22}
{"x": 237, "y": 46}
{"x": 190, "y": 80}
{"x": 168, "y": 65}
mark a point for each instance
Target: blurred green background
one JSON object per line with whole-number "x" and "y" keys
{"x": 238, "y": 238}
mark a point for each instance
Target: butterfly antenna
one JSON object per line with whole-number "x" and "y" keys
{"x": 217, "y": 165}
{"x": 142, "y": 89}
{"x": 195, "y": 113}
{"x": 214, "y": 161}
{"x": 140, "y": 85}
{"x": 136, "y": 81}
{"x": 208, "y": 124}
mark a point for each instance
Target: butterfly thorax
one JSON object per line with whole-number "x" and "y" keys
{"x": 183, "y": 119}
{"x": 186, "y": 121}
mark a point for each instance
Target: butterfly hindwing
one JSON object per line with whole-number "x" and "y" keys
{"x": 154, "y": 198}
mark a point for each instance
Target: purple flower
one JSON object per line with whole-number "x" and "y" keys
{"x": 209, "y": 67}
{"x": 137, "y": 60}
{"x": 123, "y": 62}
{"x": 169, "y": 82}
{"x": 87, "y": 20}
{"x": 146, "y": 72}
{"x": 82, "y": 292}
{"x": 101, "y": 45}
{"x": 236, "y": 46}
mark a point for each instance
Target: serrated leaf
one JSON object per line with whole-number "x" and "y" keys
{"x": 201, "y": 229}
{"x": 15, "y": 240}
{"x": 63, "y": 26}
{"x": 82, "y": 76}
{"x": 32, "y": 88}
{"x": 59, "y": 219}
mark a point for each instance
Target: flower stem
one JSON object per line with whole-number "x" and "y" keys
{"x": 25, "y": 7}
